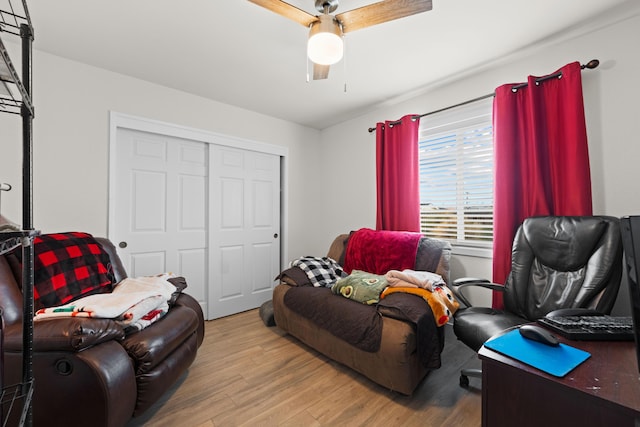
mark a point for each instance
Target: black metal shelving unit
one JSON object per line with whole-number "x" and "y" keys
{"x": 16, "y": 98}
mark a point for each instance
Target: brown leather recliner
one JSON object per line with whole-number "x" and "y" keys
{"x": 87, "y": 371}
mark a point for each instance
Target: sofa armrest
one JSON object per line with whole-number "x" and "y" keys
{"x": 337, "y": 248}
{"x": 71, "y": 334}
{"x": 186, "y": 300}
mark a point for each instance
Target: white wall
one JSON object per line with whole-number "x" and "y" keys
{"x": 71, "y": 137}
{"x": 71, "y": 128}
{"x": 611, "y": 97}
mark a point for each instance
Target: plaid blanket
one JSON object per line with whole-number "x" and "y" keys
{"x": 68, "y": 266}
{"x": 320, "y": 271}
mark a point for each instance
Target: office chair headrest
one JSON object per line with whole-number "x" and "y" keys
{"x": 564, "y": 243}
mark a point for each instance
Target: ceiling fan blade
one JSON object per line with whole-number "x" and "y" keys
{"x": 320, "y": 72}
{"x": 287, "y": 10}
{"x": 380, "y": 12}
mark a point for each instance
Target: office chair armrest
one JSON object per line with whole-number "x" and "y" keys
{"x": 463, "y": 282}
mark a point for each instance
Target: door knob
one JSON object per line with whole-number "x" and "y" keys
{"x": 275, "y": 235}
{"x": 122, "y": 244}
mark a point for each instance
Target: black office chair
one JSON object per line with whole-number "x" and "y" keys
{"x": 557, "y": 262}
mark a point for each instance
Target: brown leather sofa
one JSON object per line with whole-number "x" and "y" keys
{"x": 86, "y": 371}
{"x": 396, "y": 364}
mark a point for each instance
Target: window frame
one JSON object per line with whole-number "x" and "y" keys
{"x": 458, "y": 124}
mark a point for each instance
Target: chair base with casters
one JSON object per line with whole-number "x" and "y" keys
{"x": 466, "y": 373}
{"x": 557, "y": 262}
{"x": 475, "y": 325}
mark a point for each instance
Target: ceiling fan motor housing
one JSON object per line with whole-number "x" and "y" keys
{"x": 332, "y": 5}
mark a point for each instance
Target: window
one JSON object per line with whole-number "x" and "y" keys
{"x": 456, "y": 174}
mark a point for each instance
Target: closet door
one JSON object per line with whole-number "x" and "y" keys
{"x": 160, "y": 206}
{"x": 244, "y": 238}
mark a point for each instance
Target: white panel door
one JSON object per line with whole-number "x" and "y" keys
{"x": 244, "y": 240}
{"x": 161, "y": 205}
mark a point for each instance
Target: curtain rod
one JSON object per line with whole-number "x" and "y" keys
{"x": 590, "y": 65}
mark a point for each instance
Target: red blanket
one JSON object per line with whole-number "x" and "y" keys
{"x": 378, "y": 251}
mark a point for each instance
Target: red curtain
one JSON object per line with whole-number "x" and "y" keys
{"x": 397, "y": 175}
{"x": 541, "y": 158}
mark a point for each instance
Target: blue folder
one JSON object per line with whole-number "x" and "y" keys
{"x": 557, "y": 361}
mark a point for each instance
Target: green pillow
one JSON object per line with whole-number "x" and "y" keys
{"x": 361, "y": 286}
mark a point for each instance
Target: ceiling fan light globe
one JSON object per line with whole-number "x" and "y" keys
{"x": 325, "y": 48}
{"x": 325, "y": 45}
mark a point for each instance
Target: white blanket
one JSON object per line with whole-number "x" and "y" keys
{"x": 131, "y": 300}
{"x": 414, "y": 279}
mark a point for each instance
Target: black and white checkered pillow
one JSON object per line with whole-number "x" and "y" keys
{"x": 321, "y": 271}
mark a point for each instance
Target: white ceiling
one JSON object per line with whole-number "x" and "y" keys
{"x": 238, "y": 53}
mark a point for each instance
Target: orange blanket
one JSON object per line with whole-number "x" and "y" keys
{"x": 441, "y": 300}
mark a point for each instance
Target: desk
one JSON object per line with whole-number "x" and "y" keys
{"x": 602, "y": 391}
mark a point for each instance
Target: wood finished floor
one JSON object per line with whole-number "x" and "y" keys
{"x": 247, "y": 374}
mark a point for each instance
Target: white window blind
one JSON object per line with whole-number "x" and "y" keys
{"x": 456, "y": 174}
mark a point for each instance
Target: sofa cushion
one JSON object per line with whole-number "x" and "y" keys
{"x": 358, "y": 324}
{"x": 434, "y": 255}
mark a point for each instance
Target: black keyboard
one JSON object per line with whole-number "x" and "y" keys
{"x": 591, "y": 328}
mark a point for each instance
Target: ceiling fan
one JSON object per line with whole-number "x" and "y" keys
{"x": 325, "y": 46}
